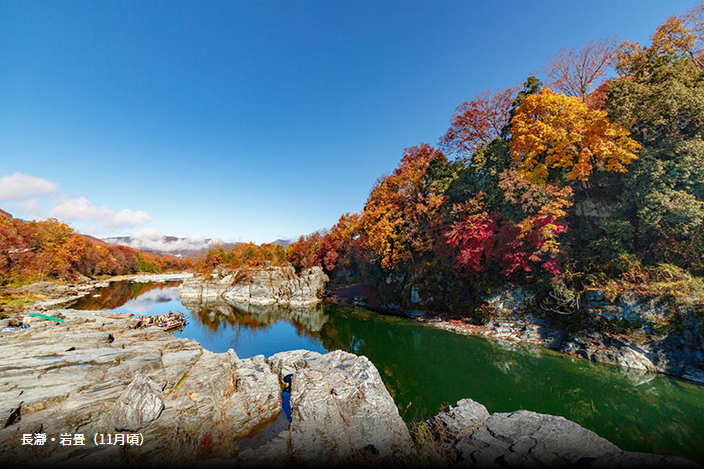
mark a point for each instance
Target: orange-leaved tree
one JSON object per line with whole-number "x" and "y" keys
{"x": 303, "y": 253}
{"x": 479, "y": 121}
{"x": 336, "y": 248}
{"x": 676, "y": 38}
{"x": 552, "y": 130}
{"x": 402, "y": 210}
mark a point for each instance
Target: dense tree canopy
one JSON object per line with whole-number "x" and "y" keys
{"x": 595, "y": 179}
{"x": 552, "y": 130}
{"x": 40, "y": 250}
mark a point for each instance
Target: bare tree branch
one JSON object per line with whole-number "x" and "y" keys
{"x": 575, "y": 72}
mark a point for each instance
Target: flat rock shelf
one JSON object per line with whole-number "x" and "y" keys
{"x": 97, "y": 375}
{"x": 424, "y": 369}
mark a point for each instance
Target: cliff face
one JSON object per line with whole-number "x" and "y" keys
{"x": 265, "y": 286}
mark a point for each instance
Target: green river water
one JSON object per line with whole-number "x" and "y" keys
{"x": 425, "y": 368}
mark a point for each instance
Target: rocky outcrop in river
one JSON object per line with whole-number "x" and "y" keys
{"x": 341, "y": 414}
{"x": 99, "y": 377}
{"x": 92, "y": 375}
{"x": 264, "y": 286}
{"x": 467, "y": 435}
{"x": 164, "y": 401}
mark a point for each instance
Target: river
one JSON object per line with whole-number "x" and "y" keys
{"x": 425, "y": 368}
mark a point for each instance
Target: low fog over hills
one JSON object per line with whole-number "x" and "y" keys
{"x": 190, "y": 246}
{"x": 151, "y": 240}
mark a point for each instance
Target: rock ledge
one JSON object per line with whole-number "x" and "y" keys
{"x": 265, "y": 286}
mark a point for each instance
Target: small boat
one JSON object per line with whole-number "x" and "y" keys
{"x": 174, "y": 327}
{"x": 37, "y": 315}
{"x": 169, "y": 322}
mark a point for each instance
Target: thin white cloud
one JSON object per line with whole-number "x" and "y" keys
{"x": 125, "y": 217}
{"x": 32, "y": 196}
{"x": 150, "y": 239}
{"x": 80, "y": 208}
{"x": 20, "y": 186}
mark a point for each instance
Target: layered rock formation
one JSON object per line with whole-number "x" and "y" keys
{"x": 467, "y": 435}
{"x": 341, "y": 414}
{"x": 101, "y": 377}
{"x": 92, "y": 375}
{"x": 96, "y": 377}
{"x": 264, "y": 286}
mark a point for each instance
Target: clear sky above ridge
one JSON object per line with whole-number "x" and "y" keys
{"x": 253, "y": 120}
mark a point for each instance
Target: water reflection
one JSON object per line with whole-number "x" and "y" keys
{"x": 132, "y": 297}
{"x": 255, "y": 329}
{"x": 214, "y": 311}
{"x": 425, "y": 368}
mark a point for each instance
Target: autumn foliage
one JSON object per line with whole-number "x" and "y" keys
{"x": 341, "y": 246}
{"x": 402, "y": 211}
{"x": 245, "y": 255}
{"x": 303, "y": 254}
{"x": 552, "y": 130}
{"x": 590, "y": 178}
{"x": 680, "y": 37}
{"x": 49, "y": 249}
{"x": 479, "y": 121}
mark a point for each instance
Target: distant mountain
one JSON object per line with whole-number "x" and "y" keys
{"x": 283, "y": 242}
{"x": 93, "y": 240}
{"x": 190, "y": 247}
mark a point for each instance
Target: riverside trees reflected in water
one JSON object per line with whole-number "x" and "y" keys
{"x": 425, "y": 368}
{"x": 141, "y": 296}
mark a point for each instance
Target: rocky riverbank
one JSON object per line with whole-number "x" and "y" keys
{"x": 267, "y": 285}
{"x": 48, "y": 295}
{"x": 673, "y": 355}
{"x": 634, "y": 330}
{"x": 166, "y": 401}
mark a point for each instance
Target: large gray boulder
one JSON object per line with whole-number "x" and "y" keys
{"x": 450, "y": 426}
{"x": 267, "y": 285}
{"x": 341, "y": 410}
{"x": 341, "y": 414}
{"x": 529, "y": 439}
{"x": 469, "y": 436}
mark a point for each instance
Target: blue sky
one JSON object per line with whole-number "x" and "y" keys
{"x": 253, "y": 120}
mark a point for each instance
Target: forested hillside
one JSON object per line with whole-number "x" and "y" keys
{"x": 593, "y": 177}
{"x": 32, "y": 251}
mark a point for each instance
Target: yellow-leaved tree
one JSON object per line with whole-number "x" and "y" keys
{"x": 676, "y": 38}
{"x": 551, "y": 130}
